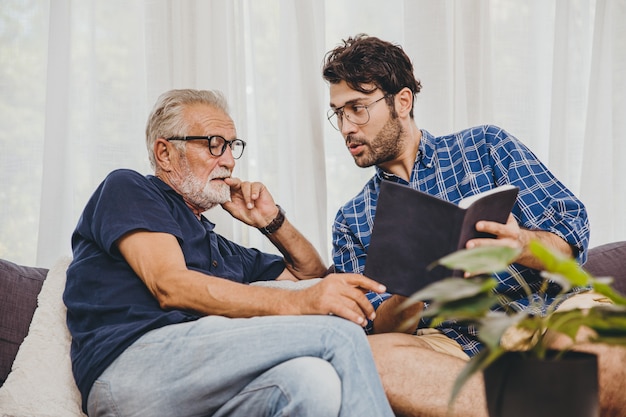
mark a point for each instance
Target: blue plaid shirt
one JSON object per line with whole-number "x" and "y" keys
{"x": 456, "y": 166}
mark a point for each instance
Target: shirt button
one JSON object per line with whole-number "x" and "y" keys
{"x": 214, "y": 263}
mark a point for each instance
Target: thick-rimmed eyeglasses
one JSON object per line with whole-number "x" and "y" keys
{"x": 217, "y": 144}
{"x": 357, "y": 114}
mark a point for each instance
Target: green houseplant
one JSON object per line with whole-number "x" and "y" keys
{"x": 471, "y": 301}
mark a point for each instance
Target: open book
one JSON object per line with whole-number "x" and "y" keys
{"x": 413, "y": 229}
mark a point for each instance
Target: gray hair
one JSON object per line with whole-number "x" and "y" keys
{"x": 166, "y": 119}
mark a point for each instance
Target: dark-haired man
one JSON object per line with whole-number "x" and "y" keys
{"x": 372, "y": 93}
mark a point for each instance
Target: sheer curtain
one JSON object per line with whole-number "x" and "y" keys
{"x": 78, "y": 80}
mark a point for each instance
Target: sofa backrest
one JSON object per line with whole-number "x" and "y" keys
{"x": 609, "y": 260}
{"x": 19, "y": 287}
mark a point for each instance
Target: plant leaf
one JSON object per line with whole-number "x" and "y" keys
{"x": 602, "y": 286}
{"x": 567, "y": 322}
{"x": 563, "y": 281}
{"x": 481, "y": 260}
{"x": 557, "y": 263}
{"x": 455, "y": 298}
{"x": 467, "y": 309}
{"x": 609, "y": 323}
{"x": 493, "y": 326}
{"x": 476, "y": 364}
{"x": 450, "y": 289}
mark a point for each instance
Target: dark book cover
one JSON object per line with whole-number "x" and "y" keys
{"x": 413, "y": 229}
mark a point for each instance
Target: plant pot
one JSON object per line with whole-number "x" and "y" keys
{"x": 566, "y": 386}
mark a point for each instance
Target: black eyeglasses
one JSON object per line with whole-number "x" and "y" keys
{"x": 217, "y": 144}
{"x": 357, "y": 114}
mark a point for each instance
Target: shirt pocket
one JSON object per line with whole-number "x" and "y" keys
{"x": 229, "y": 267}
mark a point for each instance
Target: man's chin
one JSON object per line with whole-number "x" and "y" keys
{"x": 210, "y": 206}
{"x": 214, "y": 202}
{"x": 218, "y": 193}
{"x": 363, "y": 163}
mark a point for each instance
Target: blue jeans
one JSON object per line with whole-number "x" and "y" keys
{"x": 264, "y": 366}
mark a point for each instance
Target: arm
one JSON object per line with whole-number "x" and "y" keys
{"x": 349, "y": 256}
{"x": 301, "y": 258}
{"x": 391, "y": 319}
{"x": 546, "y": 209}
{"x": 252, "y": 204}
{"x": 159, "y": 262}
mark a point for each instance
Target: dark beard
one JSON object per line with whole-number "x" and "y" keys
{"x": 385, "y": 147}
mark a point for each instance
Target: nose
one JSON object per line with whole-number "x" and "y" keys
{"x": 347, "y": 126}
{"x": 226, "y": 159}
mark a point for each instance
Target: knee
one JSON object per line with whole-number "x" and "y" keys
{"x": 316, "y": 387}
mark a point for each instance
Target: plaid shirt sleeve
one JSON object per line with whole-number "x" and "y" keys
{"x": 544, "y": 203}
{"x": 351, "y": 233}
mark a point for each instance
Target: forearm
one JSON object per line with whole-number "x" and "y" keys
{"x": 252, "y": 204}
{"x": 548, "y": 239}
{"x": 390, "y": 317}
{"x": 223, "y": 297}
{"x": 301, "y": 258}
{"x": 159, "y": 262}
{"x": 511, "y": 234}
{"x": 338, "y": 294}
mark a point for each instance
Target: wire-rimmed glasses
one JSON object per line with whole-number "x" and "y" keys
{"x": 217, "y": 144}
{"x": 357, "y": 114}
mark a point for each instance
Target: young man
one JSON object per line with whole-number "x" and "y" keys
{"x": 161, "y": 321}
{"x": 372, "y": 92}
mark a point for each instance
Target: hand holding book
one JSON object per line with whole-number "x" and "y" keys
{"x": 413, "y": 229}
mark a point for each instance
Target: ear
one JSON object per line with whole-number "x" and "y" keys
{"x": 162, "y": 152}
{"x": 404, "y": 102}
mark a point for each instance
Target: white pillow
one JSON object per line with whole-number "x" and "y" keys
{"x": 288, "y": 285}
{"x": 41, "y": 382}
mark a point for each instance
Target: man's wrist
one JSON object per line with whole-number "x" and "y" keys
{"x": 275, "y": 224}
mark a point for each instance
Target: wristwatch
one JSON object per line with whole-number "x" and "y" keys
{"x": 274, "y": 224}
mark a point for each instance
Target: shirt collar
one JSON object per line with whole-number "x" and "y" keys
{"x": 426, "y": 153}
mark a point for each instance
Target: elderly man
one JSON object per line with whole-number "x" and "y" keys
{"x": 161, "y": 320}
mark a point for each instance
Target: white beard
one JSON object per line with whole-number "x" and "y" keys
{"x": 207, "y": 195}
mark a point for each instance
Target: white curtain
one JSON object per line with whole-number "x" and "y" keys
{"x": 78, "y": 79}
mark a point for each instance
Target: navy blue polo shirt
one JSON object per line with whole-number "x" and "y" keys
{"x": 108, "y": 306}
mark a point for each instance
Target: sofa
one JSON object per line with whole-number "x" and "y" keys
{"x": 35, "y": 369}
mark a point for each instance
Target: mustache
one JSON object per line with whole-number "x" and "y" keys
{"x": 351, "y": 140}
{"x": 219, "y": 172}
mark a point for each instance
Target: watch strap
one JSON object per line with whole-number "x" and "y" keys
{"x": 274, "y": 224}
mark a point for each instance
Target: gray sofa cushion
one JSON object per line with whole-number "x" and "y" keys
{"x": 19, "y": 287}
{"x": 609, "y": 260}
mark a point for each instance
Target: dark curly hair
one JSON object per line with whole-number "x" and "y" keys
{"x": 364, "y": 59}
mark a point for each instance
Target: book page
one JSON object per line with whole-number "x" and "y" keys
{"x": 468, "y": 201}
